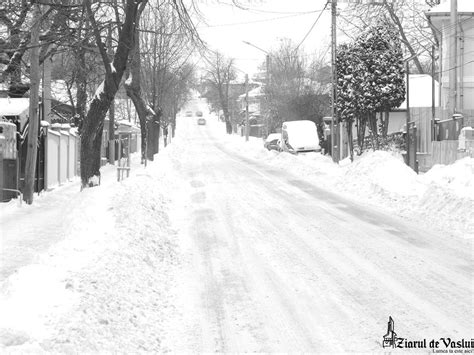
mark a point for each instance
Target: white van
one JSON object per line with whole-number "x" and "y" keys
{"x": 299, "y": 136}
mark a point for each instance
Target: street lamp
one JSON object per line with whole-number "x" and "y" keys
{"x": 267, "y": 75}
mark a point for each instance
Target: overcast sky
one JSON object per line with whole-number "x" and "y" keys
{"x": 263, "y": 24}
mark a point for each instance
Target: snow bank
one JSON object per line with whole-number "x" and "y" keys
{"x": 458, "y": 177}
{"x": 382, "y": 173}
{"x": 443, "y": 198}
{"x": 105, "y": 285}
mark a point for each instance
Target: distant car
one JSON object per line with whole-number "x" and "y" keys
{"x": 198, "y": 113}
{"x": 272, "y": 142}
{"x": 189, "y": 114}
{"x": 201, "y": 121}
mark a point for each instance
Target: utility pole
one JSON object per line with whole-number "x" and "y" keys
{"x": 247, "y": 123}
{"x": 433, "y": 87}
{"x": 408, "y": 118}
{"x": 453, "y": 58}
{"x": 334, "y": 120}
{"x": 47, "y": 89}
{"x": 32, "y": 147}
{"x": 267, "y": 78}
{"x": 112, "y": 107}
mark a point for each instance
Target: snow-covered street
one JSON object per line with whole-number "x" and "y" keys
{"x": 211, "y": 249}
{"x": 275, "y": 263}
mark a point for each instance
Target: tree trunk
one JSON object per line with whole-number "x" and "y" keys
{"x": 173, "y": 122}
{"x": 351, "y": 139}
{"x": 372, "y": 120}
{"x": 91, "y": 137}
{"x": 133, "y": 89}
{"x": 361, "y": 127}
{"x": 81, "y": 77}
{"x": 385, "y": 123}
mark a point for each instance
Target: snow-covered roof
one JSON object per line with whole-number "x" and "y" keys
{"x": 13, "y": 106}
{"x": 59, "y": 91}
{"x": 420, "y": 92}
{"x": 258, "y": 91}
{"x": 464, "y": 6}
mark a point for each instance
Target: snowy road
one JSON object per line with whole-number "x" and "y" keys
{"x": 274, "y": 263}
{"x": 208, "y": 249}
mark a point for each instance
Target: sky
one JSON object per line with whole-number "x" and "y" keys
{"x": 264, "y": 24}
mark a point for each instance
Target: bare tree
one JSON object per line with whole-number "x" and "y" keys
{"x": 220, "y": 72}
{"x": 91, "y": 135}
{"x": 288, "y": 76}
{"x": 406, "y": 15}
{"x": 133, "y": 87}
{"x": 16, "y": 17}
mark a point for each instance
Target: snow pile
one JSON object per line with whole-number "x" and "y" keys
{"x": 443, "y": 198}
{"x": 125, "y": 292}
{"x": 105, "y": 286}
{"x": 458, "y": 177}
{"x": 381, "y": 173}
{"x": 39, "y": 292}
{"x": 450, "y": 194}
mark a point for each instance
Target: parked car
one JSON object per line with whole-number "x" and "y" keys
{"x": 189, "y": 114}
{"x": 272, "y": 142}
{"x": 198, "y": 113}
{"x": 201, "y": 121}
{"x": 299, "y": 136}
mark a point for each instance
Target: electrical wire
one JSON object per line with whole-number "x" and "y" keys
{"x": 312, "y": 26}
{"x": 272, "y": 12}
{"x": 255, "y": 21}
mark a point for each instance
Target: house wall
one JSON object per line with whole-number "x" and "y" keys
{"x": 63, "y": 156}
{"x": 52, "y": 158}
{"x": 397, "y": 121}
{"x": 465, "y": 60}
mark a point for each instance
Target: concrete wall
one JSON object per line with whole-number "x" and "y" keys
{"x": 62, "y": 157}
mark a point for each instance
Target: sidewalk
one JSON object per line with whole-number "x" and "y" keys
{"x": 29, "y": 230}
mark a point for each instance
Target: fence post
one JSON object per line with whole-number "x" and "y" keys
{"x": 46, "y": 135}
{"x": 1, "y": 170}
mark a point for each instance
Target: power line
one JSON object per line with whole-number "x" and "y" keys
{"x": 271, "y": 11}
{"x": 456, "y": 67}
{"x": 256, "y": 21}
{"x": 314, "y": 24}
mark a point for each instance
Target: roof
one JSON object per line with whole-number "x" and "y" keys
{"x": 59, "y": 91}
{"x": 420, "y": 92}
{"x": 258, "y": 91}
{"x": 13, "y": 106}
{"x": 464, "y": 6}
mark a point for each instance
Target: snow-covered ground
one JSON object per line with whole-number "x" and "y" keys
{"x": 220, "y": 245}
{"x": 443, "y": 198}
{"x": 80, "y": 269}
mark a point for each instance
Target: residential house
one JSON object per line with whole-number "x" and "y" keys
{"x": 445, "y": 146}
{"x": 255, "y": 98}
{"x": 439, "y": 18}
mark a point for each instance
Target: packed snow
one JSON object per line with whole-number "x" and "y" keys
{"x": 443, "y": 197}
{"x": 222, "y": 246}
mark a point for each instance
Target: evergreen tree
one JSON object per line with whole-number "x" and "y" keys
{"x": 371, "y": 80}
